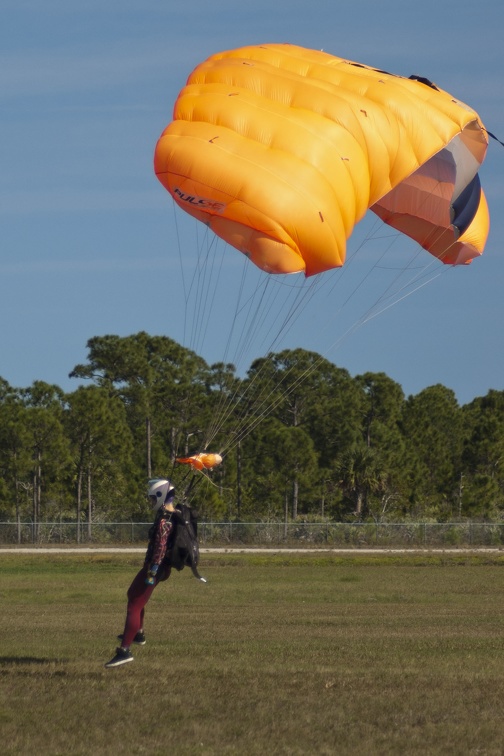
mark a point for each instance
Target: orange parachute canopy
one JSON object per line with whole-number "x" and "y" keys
{"x": 282, "y": 150}
{"x": 201, "y": 461}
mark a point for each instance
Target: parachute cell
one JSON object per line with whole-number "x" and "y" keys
{"x": 282, "y": 150}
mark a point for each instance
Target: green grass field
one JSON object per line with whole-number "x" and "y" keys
{"x": 297, "y": 654}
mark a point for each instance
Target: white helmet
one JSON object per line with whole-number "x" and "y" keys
{"x": 160, "y": 490}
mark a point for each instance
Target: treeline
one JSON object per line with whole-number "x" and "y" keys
{"x": 300, "y": 438}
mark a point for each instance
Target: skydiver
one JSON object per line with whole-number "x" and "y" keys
{"x": 161, "y": 496}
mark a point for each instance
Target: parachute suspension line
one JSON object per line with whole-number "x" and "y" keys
{"x": 190, "y": 285}
{"x": 389, "y": 292}
{"x": 268, "y": 299}
{"x": 261, "y": 315}
{"x": 342, "y": 273}
{"x": 374, "y": 311}
{"x": 258, "y": 306}
{"x": 373, "y": 234}
{"x": 227, "y": 402}
{"x": 312, "y": 368}
{"x": 255, "y": 309}
{"x": 267, "y": 401}
{"x": 241, "y": 308}
{"x": 267, "y": 404}
{"x": 302, "y": 295}
{"x": 203, "y": 288}
{"x": 179, "y": 247}
{"x": 411, "y": 286}
{"x": 268, "y": 407}
{"x": 203, "y": 291}
{"x": 404, "y": 296}
{"x": 240, "y": 399}
{"x": 393, "y": 295}
{"x": 195, "y": 479}
{"x": 221, "y": 412}
{"x": 264, "y": 405}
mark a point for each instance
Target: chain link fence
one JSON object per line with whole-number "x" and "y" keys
{"x": 335, "y": 534}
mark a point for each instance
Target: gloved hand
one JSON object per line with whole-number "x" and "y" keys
{"x": 151, "y": 575}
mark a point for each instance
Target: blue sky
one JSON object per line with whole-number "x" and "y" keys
{"x": 90, "y": 243}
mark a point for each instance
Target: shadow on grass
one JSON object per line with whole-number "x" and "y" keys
{"x": 14, "y": 660}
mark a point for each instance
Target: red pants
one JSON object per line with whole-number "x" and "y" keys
{"x": 138, "y": 595}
